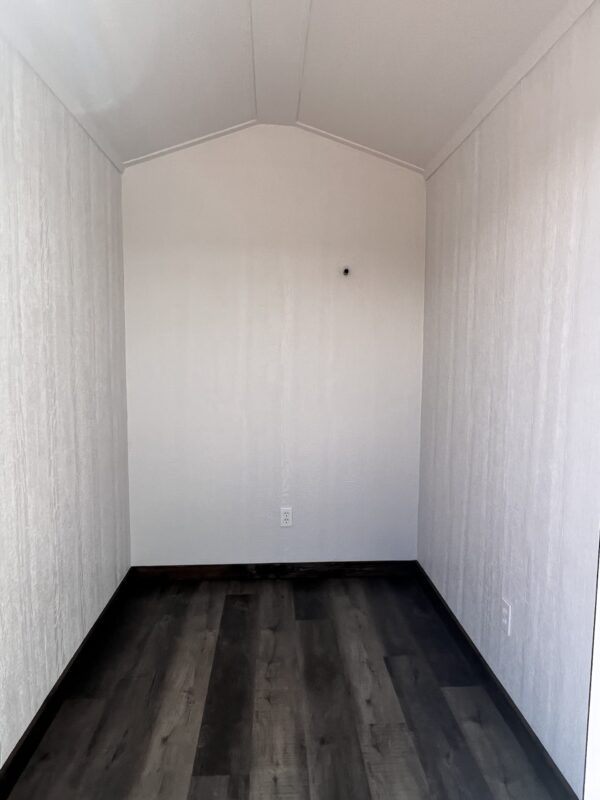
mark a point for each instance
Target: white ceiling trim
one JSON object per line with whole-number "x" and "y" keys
{"x": 362, "y": 147}
{"x": 34, "y": 58}
{"x": 252, "y": 123}
{"x": 540, "y": 48}
{"x": 183, "y": 145}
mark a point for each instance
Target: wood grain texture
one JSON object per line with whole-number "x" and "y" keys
{"x": 387, "y": 744}
{"x": 451, "y": 770}
{"x": 209, "y": 691}
{"x": 225, "y": 740}
{"x": 63, "y": 468}
{"x": 335, "y": 766}
{"x": 510, "y": 468}
{"x": 504, "y": 764}
{"x": 172, "y": 745}
{"x": 279, "y": 766}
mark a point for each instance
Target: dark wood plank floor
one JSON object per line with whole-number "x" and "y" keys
{"x": 325, "y": 689}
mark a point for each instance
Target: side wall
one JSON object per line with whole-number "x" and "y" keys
{"x": 510, "y": 474}
{"x": 63, "y": 453}
{"x": 258, "y": 375}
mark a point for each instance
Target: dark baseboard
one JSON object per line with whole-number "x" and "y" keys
{"x": 27, "y": 744}
{"x": 245, "y": 572}
{"x": 542, "y": 761}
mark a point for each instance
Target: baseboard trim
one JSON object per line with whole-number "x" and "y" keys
{"x": 29, "y": 741}
{"x": 557, "y": 784}
{"x": 278, "y": 571}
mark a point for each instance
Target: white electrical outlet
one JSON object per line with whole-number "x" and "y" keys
{"x": 286, "y": 519}
{"x": 506, "y": 617}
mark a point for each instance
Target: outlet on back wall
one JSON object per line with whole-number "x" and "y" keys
{"x": 286, "y": 517}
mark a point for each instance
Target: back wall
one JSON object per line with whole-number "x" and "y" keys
{"x": 258, "y": 375}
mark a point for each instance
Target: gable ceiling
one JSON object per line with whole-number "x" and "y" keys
{"x": 393, "y": 76}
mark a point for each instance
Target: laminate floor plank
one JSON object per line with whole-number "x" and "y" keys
{"x": 209, "y": 787}
{"x": 279, "y": 767}
{"x": 116, "y": 753}
{"x": 172, "y": 746}
{"x": 387, "y": 745}
{"x": 310, "y": 599}
{"x": 219, "y": 787}
{"x": 451, "y": 770}
{"x": 225, "y": 739}
{"x": 311, "y": 688}
{"x": 54, "y": 771}
{"x": 103, "y": 669}
{"x": 503, "y": 763}
{"x": 60, "y": 771}
{"x": 363, "y": 657}
{"x": 335, "y": 765}
{"x": 449, "y": 661}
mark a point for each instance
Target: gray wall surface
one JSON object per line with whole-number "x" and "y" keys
{"x": 63, "y": 450}
{"x": 510, "y": 472}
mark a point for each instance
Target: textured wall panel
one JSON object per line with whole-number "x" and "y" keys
{"x": 510, "y": 473}
{"x": 63, "y": 459}
{"x": 257, "y": 374}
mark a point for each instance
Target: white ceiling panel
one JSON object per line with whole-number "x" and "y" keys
{"x": 400, "y": 76}
{"x": 149, "y": 74}
{"x": 279, "y": 29}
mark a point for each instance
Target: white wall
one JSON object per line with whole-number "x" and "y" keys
{"x": 510, "y": 474}
{"x": 63, "y": 456}
{"x": 258, "y": 376}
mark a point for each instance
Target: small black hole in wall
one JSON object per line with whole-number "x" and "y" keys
{"x": 346, "y": 271}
